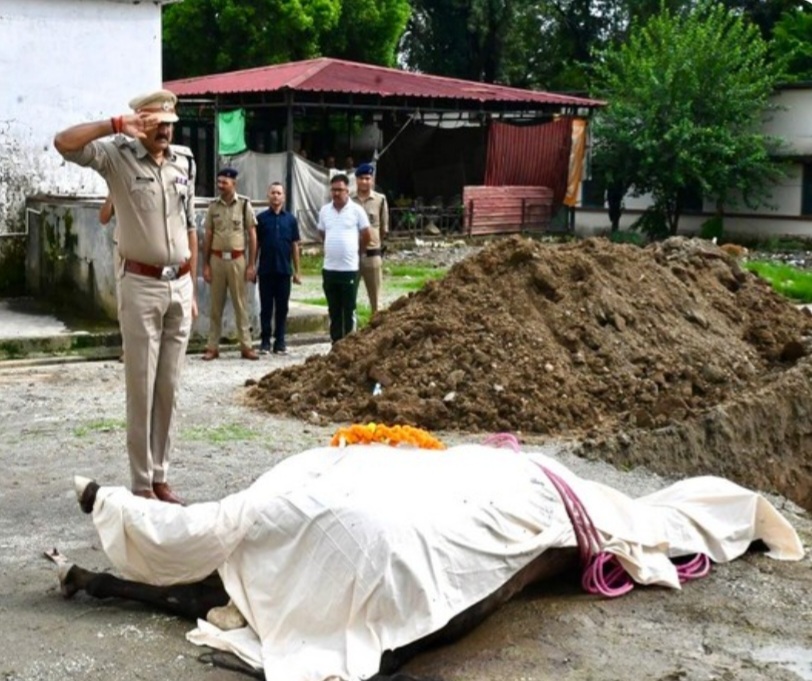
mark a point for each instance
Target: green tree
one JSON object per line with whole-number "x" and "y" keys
{"x": 792, "y": 41}
{"x": 368, "y": 32}
{"x": 214, "y": 36}
{"x": 686, "y": 95}
{"x": 462, "y": 38}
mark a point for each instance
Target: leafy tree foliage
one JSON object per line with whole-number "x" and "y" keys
{"x": 792, "y": 41}
{"x": 686, "y": 95}
{"x": 368, "y": 32}
{"x": 213, "y": 36}
{"x": 461, "y": 38}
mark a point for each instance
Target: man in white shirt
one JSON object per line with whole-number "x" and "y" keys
{"x": 344, "y": 228}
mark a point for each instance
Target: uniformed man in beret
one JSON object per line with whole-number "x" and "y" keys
{"x": 377, "y": 210}
{"x": 227, "y": 264}
{"x": 151, "y": 182}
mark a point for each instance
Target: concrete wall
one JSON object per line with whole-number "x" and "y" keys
{"x": 71, "y": 260}
{"x": 65, "y": 62}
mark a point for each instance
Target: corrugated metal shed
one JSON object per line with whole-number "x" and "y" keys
{"x": 327, "y": 75}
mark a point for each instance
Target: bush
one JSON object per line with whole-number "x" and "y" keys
{"x": 652, "y": 223}
{"x": 627, "y": 237}
{"x": 712, "y": 228}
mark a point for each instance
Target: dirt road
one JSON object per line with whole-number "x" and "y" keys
{"x": 748, "y": 620}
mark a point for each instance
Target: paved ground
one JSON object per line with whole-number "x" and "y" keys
{"x": 748, "y": 621}
{"x": 60, "y": 419}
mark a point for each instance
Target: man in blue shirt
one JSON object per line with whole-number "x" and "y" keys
{"x": 278, "y": 245}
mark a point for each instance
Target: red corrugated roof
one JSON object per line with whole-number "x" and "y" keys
{"x": 338, "y": 76}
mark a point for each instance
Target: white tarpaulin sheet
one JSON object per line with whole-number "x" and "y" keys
{"x": 310, "y": 186}
{"x": 336, "y": 555}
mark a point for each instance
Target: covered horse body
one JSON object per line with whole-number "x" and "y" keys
{"x": 336, "y": 556}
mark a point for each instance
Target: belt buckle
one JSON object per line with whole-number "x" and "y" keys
{"x": 169, "y": 273}
{"x": 226, "y": 255}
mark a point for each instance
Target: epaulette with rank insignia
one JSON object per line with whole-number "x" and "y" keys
{"x": 181, "y": 149}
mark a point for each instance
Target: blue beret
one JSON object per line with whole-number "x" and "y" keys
{"x": 365, "y": 169}
{"x": 228, "y": 172}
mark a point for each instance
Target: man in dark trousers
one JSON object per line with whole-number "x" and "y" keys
{"x": 278, "y": 244}
{"x": 344, "y": 228}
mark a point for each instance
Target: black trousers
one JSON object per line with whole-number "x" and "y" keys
{"x": 274, "y": 302}
{"x": 340, "y": 289}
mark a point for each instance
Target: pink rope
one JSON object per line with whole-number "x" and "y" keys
{"x": 603, "y": 573}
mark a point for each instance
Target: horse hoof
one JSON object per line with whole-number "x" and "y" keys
{"x": 86, "y": 490}
{"x": 67, "y": 584}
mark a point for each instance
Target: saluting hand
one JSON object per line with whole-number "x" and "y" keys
{"x": 139, "y": 124}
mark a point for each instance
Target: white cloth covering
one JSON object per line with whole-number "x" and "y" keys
{"x": 336, "y": 555}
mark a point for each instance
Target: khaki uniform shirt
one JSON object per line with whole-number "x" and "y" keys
{"x": 154, "y": 203}
{"x": 377, "y": 211}
{"x": 228, "y": 222}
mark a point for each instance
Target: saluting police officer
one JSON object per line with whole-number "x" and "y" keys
{"x": 151, "y": 182}
{"x": 226, "y": 265}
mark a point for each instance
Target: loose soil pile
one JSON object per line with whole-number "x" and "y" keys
{"x": 618, "y": 346}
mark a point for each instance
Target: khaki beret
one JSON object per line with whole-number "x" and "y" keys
{"x": 160, "y": 103}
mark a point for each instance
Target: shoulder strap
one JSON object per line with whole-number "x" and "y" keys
{"x": 245, "y": 202}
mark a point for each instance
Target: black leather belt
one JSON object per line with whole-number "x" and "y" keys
{"x": 168, "y": 273}
{"x": 372, "y": 252}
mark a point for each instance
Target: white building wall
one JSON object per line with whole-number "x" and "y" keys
{"x": 64, "y": 62}
{"x": 793, "y": 119}
{"x": 792, "y": 122}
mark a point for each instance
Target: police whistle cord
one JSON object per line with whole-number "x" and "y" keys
{"x": 603, "y": 574}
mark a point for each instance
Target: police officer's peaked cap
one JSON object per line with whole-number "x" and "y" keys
{"x": 230, "y": 173}
{"x": 365, "y": 169}
{"x": 161, "y": 104}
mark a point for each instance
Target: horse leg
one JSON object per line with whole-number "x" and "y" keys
{"x": 549, "y": 564}
{"x": 190, "y": 601}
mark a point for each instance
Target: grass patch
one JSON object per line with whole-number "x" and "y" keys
{"x": 220, "y": 434}
{"x": 414, "y": 271}
{"x": 789, "y": 281}
{"x": 99, "y": 426}
{"x": 311, "y": 263}
{"x": 322, "y": 301}
{"x": 363, "y": 313}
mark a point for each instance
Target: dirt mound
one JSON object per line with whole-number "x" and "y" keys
{"x": 588, "y": 339}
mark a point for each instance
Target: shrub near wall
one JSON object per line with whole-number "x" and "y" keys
{"x": 12, "y": 266}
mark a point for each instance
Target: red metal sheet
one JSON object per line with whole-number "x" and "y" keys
{"x": 505, "y": 209}
{"x": 336, "y": 75}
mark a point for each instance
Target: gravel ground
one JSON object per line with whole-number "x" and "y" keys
{"x": 748, "y": 620}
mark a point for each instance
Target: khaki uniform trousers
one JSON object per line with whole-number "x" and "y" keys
{"x": 371, "y": 269}
{"x": 155, "y": 318}
{"x": 228, "y": 276}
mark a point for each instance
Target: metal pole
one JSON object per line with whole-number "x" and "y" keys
{"x": 289, "y": 148}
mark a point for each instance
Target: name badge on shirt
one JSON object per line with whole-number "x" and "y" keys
{"x": 182, "y": 180}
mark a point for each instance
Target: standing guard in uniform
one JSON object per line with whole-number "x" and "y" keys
{"x": 151, "y": 182}
{"x": 377, "y": 210}
{"x": 226, "y": 265}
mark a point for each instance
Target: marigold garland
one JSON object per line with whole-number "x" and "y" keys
{"x": 364, "y": 434}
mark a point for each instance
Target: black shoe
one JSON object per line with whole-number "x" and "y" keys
{"x": 264, "y": 349}
{"x": 280, "y": 351}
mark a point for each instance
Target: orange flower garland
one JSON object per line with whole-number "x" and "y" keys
{"x": 364, "y": 434}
